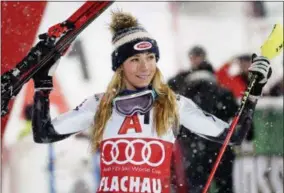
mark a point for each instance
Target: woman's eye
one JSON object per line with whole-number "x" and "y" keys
{"x": 134, "y": 60}
{"x": 151, "y": 57}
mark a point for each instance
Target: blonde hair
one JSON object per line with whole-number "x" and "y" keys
{"x": 165, "y": 107}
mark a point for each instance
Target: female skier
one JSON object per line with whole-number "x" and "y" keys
{"x": 135, "y": 121}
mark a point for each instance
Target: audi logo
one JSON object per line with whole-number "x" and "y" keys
{"x": 129, "y": 152}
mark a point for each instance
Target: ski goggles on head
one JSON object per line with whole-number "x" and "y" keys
{"x": 141, "y": 102}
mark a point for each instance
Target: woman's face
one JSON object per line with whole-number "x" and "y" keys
{"x": 139, "y": 70}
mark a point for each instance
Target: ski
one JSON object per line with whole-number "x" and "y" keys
{"x": 50, "y": 48}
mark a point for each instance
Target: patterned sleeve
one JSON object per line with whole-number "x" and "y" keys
{"x": 195, "y": 119}
{"x": 212, "y": 128}
{"x": 46, "y": 130}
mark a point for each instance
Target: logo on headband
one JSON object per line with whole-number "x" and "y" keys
{"x": 143, "y": 45}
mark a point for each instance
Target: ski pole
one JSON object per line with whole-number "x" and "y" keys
{"x": 271, "y": 48}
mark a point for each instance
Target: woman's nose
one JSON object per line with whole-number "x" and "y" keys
{"x": 143, "y": 65}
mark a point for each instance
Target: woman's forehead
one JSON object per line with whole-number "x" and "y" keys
{"x": 141, "y": 54}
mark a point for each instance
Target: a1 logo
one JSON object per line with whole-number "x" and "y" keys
{"x": 130, "y": 123}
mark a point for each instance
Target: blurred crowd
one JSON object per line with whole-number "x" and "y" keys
{"x": 217, "y": 92}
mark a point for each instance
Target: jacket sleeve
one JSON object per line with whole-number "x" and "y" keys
{"x": 46, "y": 130}
{"x": 212, "y": 128}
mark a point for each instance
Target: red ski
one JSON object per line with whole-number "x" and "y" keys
{"x": 52, "y": 46}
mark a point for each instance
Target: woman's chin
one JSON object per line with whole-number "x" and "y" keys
{"x": 142, "y": 85}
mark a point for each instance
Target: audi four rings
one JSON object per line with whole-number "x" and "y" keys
{"x": 130, "y": 151}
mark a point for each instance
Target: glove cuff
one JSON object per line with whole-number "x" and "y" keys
{"x": 46, "y": 84}
{"x": 257, "y": 89}
{"x": 253, "y": 98}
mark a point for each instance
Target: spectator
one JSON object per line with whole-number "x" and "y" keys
{"x": 199, "y": 154}
{"x": 233, "y": 75}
